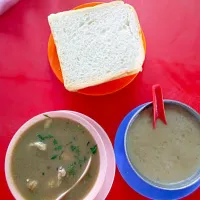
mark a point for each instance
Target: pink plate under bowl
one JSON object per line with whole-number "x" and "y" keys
{"x": 67, "y": 115}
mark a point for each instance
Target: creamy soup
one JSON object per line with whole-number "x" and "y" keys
{"x": 168, "y": 153}
{"x": 51, "y": 156}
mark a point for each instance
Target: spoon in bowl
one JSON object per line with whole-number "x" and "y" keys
{"x": 78, "y": 181}
{"x": 158, "y": 105}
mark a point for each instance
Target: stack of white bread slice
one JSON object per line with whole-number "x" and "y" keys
{"x": 97, "y": 44}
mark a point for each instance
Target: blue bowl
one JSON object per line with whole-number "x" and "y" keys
{"x": 134, "y": 179}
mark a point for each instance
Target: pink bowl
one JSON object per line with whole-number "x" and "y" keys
{"x": 60, "y": 114}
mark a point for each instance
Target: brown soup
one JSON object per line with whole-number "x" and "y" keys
{"x": 51, "y": 156}
{"x": 168, "y": 153}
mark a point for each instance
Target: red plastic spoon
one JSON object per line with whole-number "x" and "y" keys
{"x": 158, "y": 105}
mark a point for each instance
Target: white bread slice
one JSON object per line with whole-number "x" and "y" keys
{"x": 97, "y": 44}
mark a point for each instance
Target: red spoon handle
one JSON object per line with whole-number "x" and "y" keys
{"x": 158, "y": 105}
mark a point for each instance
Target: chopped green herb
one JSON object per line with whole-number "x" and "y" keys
{"x": 58, "y": 148}
{"x": 48, "y": 136}
{"x": 40, "y": 137}
{"x": 42, "y": 173}
{"x": 75, "y": 149}
{"x": 54, "y": 157}
{"x": 46, "y": 115}
{"x": 71, "y": 170}
{"x": 88, "y": 143}
{"x": 55, "y": 142}
{"x": 93, "y": 149}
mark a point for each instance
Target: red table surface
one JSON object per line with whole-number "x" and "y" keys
{"x": 28, "y": 86}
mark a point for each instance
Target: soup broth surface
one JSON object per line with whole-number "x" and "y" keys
{"x": 169, "y": 153}
{"x": 51, "y": 156}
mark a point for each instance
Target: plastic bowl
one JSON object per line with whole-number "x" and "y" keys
{"x": 57, "y": 114}
{"x": 98, "y": 90}
{"x": 135, "y": 179}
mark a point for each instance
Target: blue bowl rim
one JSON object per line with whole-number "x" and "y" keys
{"x": 171, "y": 186}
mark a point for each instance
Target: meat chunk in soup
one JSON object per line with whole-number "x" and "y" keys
{"x": 39, "y": 145}
{"x": 32, "y": 184}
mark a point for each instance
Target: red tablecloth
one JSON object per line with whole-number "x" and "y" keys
{"x": 28, "y": 86}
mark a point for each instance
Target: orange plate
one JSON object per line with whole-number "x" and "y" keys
{"x": 102, "y": 89}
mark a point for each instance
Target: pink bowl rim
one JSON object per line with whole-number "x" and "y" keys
{"x": 60, "y": 114}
